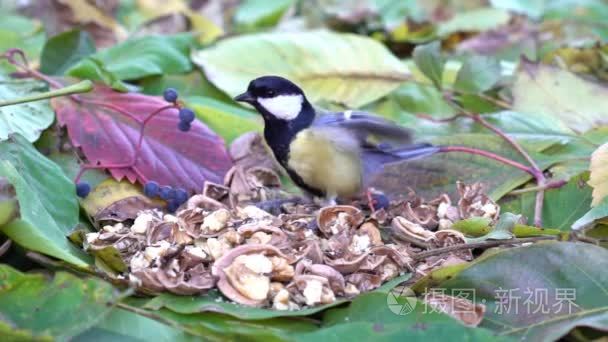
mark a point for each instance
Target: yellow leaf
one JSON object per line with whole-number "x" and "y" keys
{"x": 152, "y": 9}
{"x": 84, "y": 12}
{"x": 205, "y": 30}
{"x": 599, "y": 174}
{"x": 110, "y": 192}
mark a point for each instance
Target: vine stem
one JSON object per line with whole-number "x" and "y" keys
{"x": 549, "y": 185}
{"x": 534, "y": 169}
{"x": 487, "y": 154}
{"x": 482, "y": 244}
{"x": 23, "y": 65}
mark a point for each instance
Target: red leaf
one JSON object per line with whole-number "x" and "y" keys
{"x": 168, "y": 156}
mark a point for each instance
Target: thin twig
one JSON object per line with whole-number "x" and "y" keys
{"x": 493, "y": 100}
{"x": 24, "y": 66}
{"x": 489, "y": 155}
{"x": 479, "y": 119}
{"x": 536, "y": 171}
{"x": 6, "y": 245}
{"x": 443, "y": 120}
{"x": 549, "y": 185}
{"x": 483, "y": 244}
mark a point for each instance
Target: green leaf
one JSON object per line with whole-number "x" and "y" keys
{"x": 64, "y": 50}
{"x": 32, "y": 306}
{"x": 532, "y": 8}
{"x": 562, "y": 206}
{"x": 212, "y": 326}
{"x": 577, "y": 103}
{"x": 375, "y": 316}
{"x": 213, "y": 302}
{"x": 480, "y": 226}
{"x": 429, "y": 60}
{"x": 477, "y": 20}
{"x": 478, "y": 74}
{"x": 140, "y": 57}
{"x": 535, "y": 132}
{"x": 193, "y": 83}
{"x": 47, "y": 202}
{"x": 22, "y": 33}
{"x": 322, "y": 63}
{"x": 503, "y": 230}
{"x": 596, "y": 213}
{"x": 562, "y": 269}
{"x": 393, "y": 12}
{"x": 409, "y": 99}
{"x": 226, "y": 120}
{"x": 28, "y": 119}
{"x": 93, "y": 69}
{"x": 121, "y": 325}
{"x": 253, "y": 14}
{"x": 437, "y": 174}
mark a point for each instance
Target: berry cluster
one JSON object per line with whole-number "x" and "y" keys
{"x": 174, "y": 197}
{"x": 186, "y": 115}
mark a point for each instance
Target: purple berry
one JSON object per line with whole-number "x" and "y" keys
{"x": 83, "y": 189}
{"x": 173, "y": 193}
{"x": 172, "y": 205}
{"x": 186, "y": 115}
{"x": 151, "y": 189}
{"x": 181, "y": 195}
{"x": 183, "y": 126}
{"x": 165, "y": 192}
{"x": 380, "y": 201}
{"x": 170, "y": 95}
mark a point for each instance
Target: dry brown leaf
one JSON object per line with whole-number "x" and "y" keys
{"x": 598, "y": 179}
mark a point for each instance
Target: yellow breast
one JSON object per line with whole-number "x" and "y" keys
{"x": 325, "y": 164}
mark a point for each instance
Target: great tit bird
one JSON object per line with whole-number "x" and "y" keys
{"x": 327, "y": 154}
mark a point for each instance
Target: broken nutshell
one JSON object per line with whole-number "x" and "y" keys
{"x": 258, "y": 259}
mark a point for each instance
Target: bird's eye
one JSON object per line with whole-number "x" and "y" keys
{"x": 270, "y": 93}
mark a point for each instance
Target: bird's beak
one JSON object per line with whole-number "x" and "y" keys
{"x": 245, "y": 97}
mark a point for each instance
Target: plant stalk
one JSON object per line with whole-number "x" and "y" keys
{"x": 484, "y": 244}
{"x": 78, "y": 88}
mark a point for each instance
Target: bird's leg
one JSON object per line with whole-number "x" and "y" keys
{"x": 274, "y": 206}
{"x": 326, "y": 201}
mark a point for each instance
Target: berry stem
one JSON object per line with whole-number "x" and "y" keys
{"x": 114, "y": 108}
{"x": 140, "y": 139}
{"x": 142, "y": 127}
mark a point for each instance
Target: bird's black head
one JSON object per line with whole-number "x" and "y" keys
{"x": 276, "y": 98}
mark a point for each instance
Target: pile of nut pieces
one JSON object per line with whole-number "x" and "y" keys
{"x": 304, "y": 257}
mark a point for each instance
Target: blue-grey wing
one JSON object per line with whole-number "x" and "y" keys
{"x": 380, "y": 141}
{"x": 369, "y": 128}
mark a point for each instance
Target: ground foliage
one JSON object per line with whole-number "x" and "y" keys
{"x": 517, "y": 89}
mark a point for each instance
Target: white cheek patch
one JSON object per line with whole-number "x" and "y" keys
{"x": 348, "y": 114}
{"x": 286, "y": 107}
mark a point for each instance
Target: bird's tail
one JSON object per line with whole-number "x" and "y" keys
{"x": 375, "y": 160}
{"x": 414, "y": 151}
